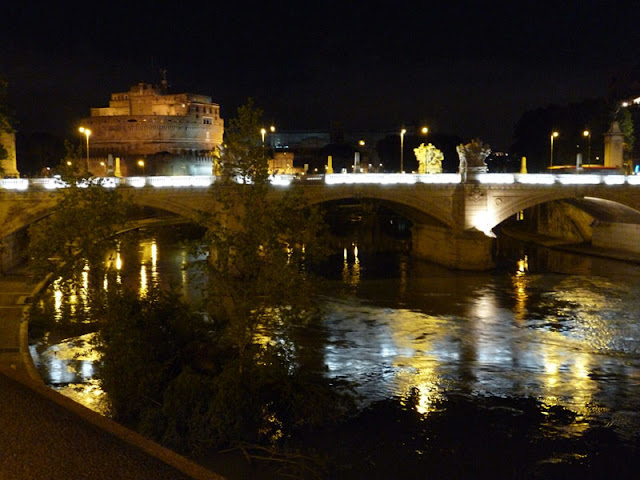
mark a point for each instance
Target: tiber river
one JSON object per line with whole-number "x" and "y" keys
{"x": 537, "y": 362}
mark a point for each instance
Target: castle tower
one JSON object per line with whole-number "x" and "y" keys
{"x": 613, "y": 141}
{"x": 9, "y": 165}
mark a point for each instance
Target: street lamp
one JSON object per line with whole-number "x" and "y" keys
{"x": 141, "y": 165}
{"x": 263, "y": 132}
{"x": 587, "y": 133}
{"x": 87, "y": 133}
{"x": 425, "y": 130}
{"x": 402, "y": 132}
{"x": 553, "y": 135}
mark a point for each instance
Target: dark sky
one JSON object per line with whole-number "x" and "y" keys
{"x": 468, "y": 68}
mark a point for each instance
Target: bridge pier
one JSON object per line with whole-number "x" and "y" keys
{"x": 13, "y": 250}
{"x": 463, "y": 250}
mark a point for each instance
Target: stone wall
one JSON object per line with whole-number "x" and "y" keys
{"x": 9, "y": 166}
{"x": 140, "y": 135}
{"x": 617, "y": 236}
{"x": 562, "y": 220}
{"x": 13, "y": 250}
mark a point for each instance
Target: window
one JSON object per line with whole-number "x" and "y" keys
{"x": 207, "y": 120}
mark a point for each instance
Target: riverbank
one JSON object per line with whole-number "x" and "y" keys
{"x": 47, "y": 435}
{"x": 571, "y": 247}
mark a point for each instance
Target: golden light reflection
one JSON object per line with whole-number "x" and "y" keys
{"x": 418, "y": 356}
{"x": 154, "y": 261}
{"x": 144, "y": 287}
{"x": 523, "y": 266}
{"x": 148, "y": 265}
{"x": 567, "y": 380}
{"x": 84, "y": 291}
{"x": 57, "y": 299}
{"x": 520, "y": 282}
{"x": 183, "y": 271}
{"x": 351, "y": 273}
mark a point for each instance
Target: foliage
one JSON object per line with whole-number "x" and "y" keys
{"x": 6, "y": 121}
{"x": 197, "y": 382}
{"x": 145, "y": 342}
{"x": 169, "y": 376}
{"x": 259, "y": 240}
{"x": 532, "y": 133}
{"x": 71, "y": 167}
{"x": 626, "y": 126}
{"x": 5, "y": 118}
{"x": 77, "y": 237}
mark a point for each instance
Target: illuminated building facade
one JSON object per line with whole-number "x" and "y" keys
{"x": 8, "y": 164}
{"x": 154, "y": 132}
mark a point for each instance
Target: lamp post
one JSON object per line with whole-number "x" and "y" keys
{"x": 263, "y": 132}
{"x": 587, "y": 133}
{"x": 86, "y": 133}
{"x": 553, "y": 135}
{"x": 402, "y": 132}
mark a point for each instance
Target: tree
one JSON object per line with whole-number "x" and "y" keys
{"x": 197, "y": 381}
{"x": 625, "y": 121}
{"x": 5, "y": 119}
{"x": 77, "y": 237}
{"x": 258, "y": 239}
{"x": 532, "y": 133}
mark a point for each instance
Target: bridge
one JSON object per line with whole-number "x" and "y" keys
{"x": 452, "y": 216}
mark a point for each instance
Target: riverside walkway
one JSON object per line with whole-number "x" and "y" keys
{"x": 44, "y": 435}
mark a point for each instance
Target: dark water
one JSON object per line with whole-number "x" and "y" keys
{"x": 529, "y": 371}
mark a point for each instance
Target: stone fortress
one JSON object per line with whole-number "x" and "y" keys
{"x": 149, "y": 131}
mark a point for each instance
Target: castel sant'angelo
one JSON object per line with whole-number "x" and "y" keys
{"x": 150, "y": 131}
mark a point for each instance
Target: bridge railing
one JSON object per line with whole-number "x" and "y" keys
{"x": 203, "y": 181}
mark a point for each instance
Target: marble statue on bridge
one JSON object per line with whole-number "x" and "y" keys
{"x": 429, "y": 159}
{"x": 473, "y": 156}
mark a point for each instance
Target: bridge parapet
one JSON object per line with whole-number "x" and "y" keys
{"x": 198, "y": 181}
{"x": 460, "y": 213}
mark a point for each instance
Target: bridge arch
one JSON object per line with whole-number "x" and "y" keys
{"x": 604, "y": 203}
{"x": 406, "y": 201}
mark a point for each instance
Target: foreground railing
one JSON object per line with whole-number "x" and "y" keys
{"x": 200, "y": 181}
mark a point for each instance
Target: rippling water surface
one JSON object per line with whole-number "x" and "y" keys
{"x": 558, "y": 328}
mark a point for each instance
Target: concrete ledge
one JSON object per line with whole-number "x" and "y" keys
{"x": 25, "y": 372}
{"x": 151, "y": 448}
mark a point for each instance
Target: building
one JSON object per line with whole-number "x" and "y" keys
{"x": 8, "y": 165}
{"x": 149, "y": 131}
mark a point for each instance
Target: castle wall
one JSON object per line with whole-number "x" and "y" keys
{"x": 146, "y": 121}
{"x": 9, "y": 165}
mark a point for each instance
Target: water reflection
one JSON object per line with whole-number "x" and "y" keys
{"x": 405, "y": 328}
{"x": 351, "y": 269}
{"x": 68, "y": 364}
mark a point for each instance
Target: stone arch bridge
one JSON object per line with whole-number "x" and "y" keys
{"x": 452, "y": 220}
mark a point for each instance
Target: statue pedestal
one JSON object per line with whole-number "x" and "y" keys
{"x": 471, "y": 173}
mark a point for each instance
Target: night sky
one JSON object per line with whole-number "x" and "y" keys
{"x": 465, "y": 68}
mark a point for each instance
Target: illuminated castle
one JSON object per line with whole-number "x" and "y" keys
{"x": 149, "y": 131}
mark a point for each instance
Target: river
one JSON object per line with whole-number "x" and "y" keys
{"x": 536, "y": 364}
